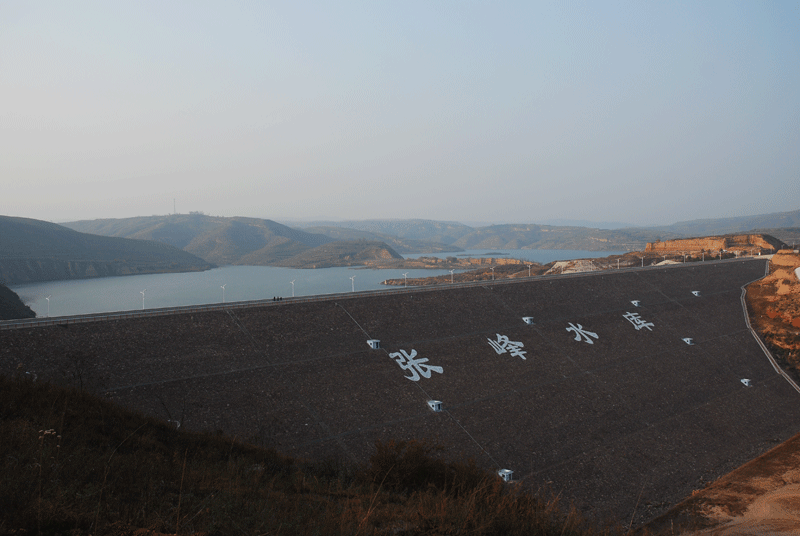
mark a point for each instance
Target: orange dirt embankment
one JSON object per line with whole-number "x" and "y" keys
{"x": 774, "y": 305}
{"x": 760, "y": 498}
{"x": 745, "y": 242}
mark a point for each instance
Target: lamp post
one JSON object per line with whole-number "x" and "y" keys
{"x": 405, "y": 279}
{"x": 353, "y": 283}
{"x": 492, "y": 273}
{"x": 529, "y": 270}
{"x": 142, "y": 293}
{"x": 223, "y": 292}
{"x": 48, "y": 306}
{"x": 642, "y": 261}
{"x": 292, "y": 282}
{"x": 451, "y": 276}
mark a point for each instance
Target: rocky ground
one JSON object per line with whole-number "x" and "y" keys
{"x": 762, "y": 497}
{"x": 774, "y": 303}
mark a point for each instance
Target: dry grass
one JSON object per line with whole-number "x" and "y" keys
{"x": 76, "y": 464}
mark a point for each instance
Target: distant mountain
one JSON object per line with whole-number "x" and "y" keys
{"x": 532, "y": 236}
{"x": 401, "y": 245}
{"x": 559, "y": 222}
{"x": 34, "y": 250}
{"x": 266, "y": 242}
{"x": 216, "y": 239}
{"x": 720, "y": 226}
{"x": 443, "y": 232}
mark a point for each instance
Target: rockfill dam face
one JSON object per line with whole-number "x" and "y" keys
{"x": 622, "y": 390}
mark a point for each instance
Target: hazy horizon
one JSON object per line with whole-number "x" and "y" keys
{"x": 512, "y": 112}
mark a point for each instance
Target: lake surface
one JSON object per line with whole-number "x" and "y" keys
{"x": 242, "y": 283}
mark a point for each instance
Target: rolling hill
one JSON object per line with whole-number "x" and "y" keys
{"x": 217, "y": 240}
{"x": 34, "y": 250}
{"x": 443, "y": 232}
{"x": 399, "y": 244}
{"x": 254, "y": 241}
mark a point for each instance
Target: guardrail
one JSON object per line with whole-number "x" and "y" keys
{"x": 127, "y": 315}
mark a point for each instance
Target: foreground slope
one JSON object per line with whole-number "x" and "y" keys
{"x": 34, "y": 250}
{"x": 602, "y": 400}
{"x": 94, "y": 468}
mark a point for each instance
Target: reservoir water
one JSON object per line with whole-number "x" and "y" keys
{"x": 242, "y": 283}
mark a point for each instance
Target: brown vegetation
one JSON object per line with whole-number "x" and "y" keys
{"x": 75, "y": 464}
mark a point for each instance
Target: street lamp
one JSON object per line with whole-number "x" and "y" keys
{"x": 642, "y": 261}
{"x": 529, "y": 270}
{"x": 142, "y": 293}
{"x": 292, "y": 282}
{"x": 48, "y": 306}
{"x": 353, "y": 283}
{"x": 405, "y": 279}
{"x": 451, "y": 276}
{"x": 492, "y": 273}
{"x": 223, "y": 292}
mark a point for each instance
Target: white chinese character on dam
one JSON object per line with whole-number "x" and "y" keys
{"x": 503, "y": 345}
{"x": 415, "y": 366}
{"x": 637, "y": 321}
{"x": 581, "y": 333}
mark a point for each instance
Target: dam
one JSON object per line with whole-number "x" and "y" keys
{"x": 623, "y": 391}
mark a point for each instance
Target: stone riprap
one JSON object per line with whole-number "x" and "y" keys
{"x": 598, "y": 399}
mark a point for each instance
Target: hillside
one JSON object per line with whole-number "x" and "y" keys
{"x": 443, "y": 232}
{"x": 11, "y": 306}
{"x": 217, "y": 240}
{"x": 397, "y": 243}
{"x": 533, "y": 236}
{"x": 34, "y": 250}
{"x": 343, "y": 253}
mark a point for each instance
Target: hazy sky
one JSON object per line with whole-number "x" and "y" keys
{"x": 643, "y": 112}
